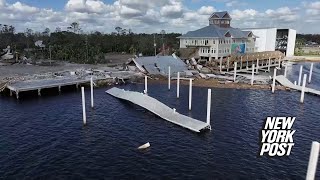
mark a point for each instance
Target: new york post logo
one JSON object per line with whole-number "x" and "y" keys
{"x": 277, "y": 136}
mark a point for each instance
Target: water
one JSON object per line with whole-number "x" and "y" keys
{"x": 43, "y": 138}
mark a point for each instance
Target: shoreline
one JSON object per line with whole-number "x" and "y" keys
{"x": 214, "y": 83}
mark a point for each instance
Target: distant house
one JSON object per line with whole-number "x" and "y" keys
{"x": 218, "y": 39}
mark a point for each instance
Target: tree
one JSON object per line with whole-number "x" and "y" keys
{"x": 118, "y": 29}
{"x": 58, "y": 29}
{"x": 74, "y": 27}
{"x": 46, "y": 32}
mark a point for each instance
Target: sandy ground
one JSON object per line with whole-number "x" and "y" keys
{"x": 304, "y": 58}
{"x": 214, "y": 83}
{"x": 17, "y": 70}
{"x": 23, "y": 70}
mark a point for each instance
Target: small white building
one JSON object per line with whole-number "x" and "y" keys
{"x": 274, "y": 39}
{"x": 218, "y": 39}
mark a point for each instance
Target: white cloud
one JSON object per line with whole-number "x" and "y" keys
{"x": 206, "y": 10}
{"x": 172, "y": 10}
{"x": 152, "y": 15}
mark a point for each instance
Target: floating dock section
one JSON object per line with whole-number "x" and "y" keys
{"x": 31, "y": 85}
{"x": 285, "y": 82}
{"x": 159, "y": 109}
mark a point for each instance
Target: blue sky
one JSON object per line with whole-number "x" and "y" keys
{"x": 153, "y": 15}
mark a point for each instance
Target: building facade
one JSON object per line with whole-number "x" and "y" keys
{"x": 218, "y": 39}
{"x": 274, "y": 39}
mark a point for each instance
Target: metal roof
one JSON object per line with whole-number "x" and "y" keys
{"x": 160, "y": 64}
{"x": 213, "y": 31}
{"x": 220, "y": 14}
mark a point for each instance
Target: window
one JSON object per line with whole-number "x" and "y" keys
{"x": 219, "y": 51}
{"x": 214, "y": 51}
{"x": 213, "y": 41}
{"x": 227, "y": 22}
{"x": 216, "y": 21}
{"x": 234, "y": 41}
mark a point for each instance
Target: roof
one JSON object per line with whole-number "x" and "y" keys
{"x": 213, "y": 31}
{"x": 159, "y": 64}
{"x": 220, "y": 14}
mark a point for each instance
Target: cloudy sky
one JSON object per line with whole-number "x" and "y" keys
{"x": 154, "y": 15}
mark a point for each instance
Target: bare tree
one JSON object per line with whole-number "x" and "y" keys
{"x": 74, "y": 27}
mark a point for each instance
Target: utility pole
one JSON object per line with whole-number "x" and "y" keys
{"x": 163, "y": 32}
{"x": 50, "y": 54}
{"x": 87, "y": 49}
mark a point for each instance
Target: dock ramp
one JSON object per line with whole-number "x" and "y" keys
{"x": 159, "y": 109}
{"x": 285, "y": 82}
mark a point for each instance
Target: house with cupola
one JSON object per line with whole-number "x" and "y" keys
{"x": 218, "y": 39}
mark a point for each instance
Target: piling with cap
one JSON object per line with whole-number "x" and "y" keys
{"x": 84, "y": 116}
{"x": 220, "y": 64}
{"x": 300, "y": 76}
{"x": 313, "y": 160}
{"x": 169, "y": 78}
{"x": 91, "y": 87}
{"x": 235, "y": 72}
{"x": 190, "y": 93}
{"x": 285, "y": 70}
{"x": 228, "y": 63}
{"x": 209, "y": 106}
{"x": 178, "y": 85}
{"x": 303, "y": 88}
{"x": 310, "y": 73}
{"x": 252, "y": 75}
{"x": 257, "y": 66}
{"x": 274, "y": 80}
{"x": 145, "y": 84}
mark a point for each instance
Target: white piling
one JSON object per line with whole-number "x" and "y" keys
{"x": 295, "y": 83}
{"x": 279, "y": 62}
{"x": 252, "y": 75}
{"x": 83, "y": 107}
{"x": 269, "y": 64}
{"x": 145, "y": 84}
{"x": 257, "y": 66}
{"x": 241, "y": 63}
{"x": 274, "y": 80}
{"x": 228, "y": 62}
{"x": 190, "y": 94}
{"x": 300, "y": 76}
{"x": 235, "y": 72}
{"x": 313, "y": 160}
{"x": 285, "y": 70}
{"x": 220, "y": 64}
{"x": 91, "y": 86}
{"x": 178, "y": 84}
{"x": 209, "y": 106}
{"x": 303, "y": 88}
{"x": 169, "y": 78}
{"x": 310, "y": 73}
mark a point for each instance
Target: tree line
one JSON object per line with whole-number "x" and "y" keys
{"x": 302, "y": 39}
{"x": 75, "y": 46}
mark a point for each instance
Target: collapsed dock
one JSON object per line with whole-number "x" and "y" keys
{"x": 159, "y": 109}
{"x": 285, "y": 82}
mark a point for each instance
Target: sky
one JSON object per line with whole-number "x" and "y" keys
{"x": 152, "y": 16}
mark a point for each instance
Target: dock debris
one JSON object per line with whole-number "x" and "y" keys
{"x": 144, "y": 146}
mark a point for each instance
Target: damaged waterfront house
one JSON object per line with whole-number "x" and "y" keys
{"x": 158, "y": 65}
